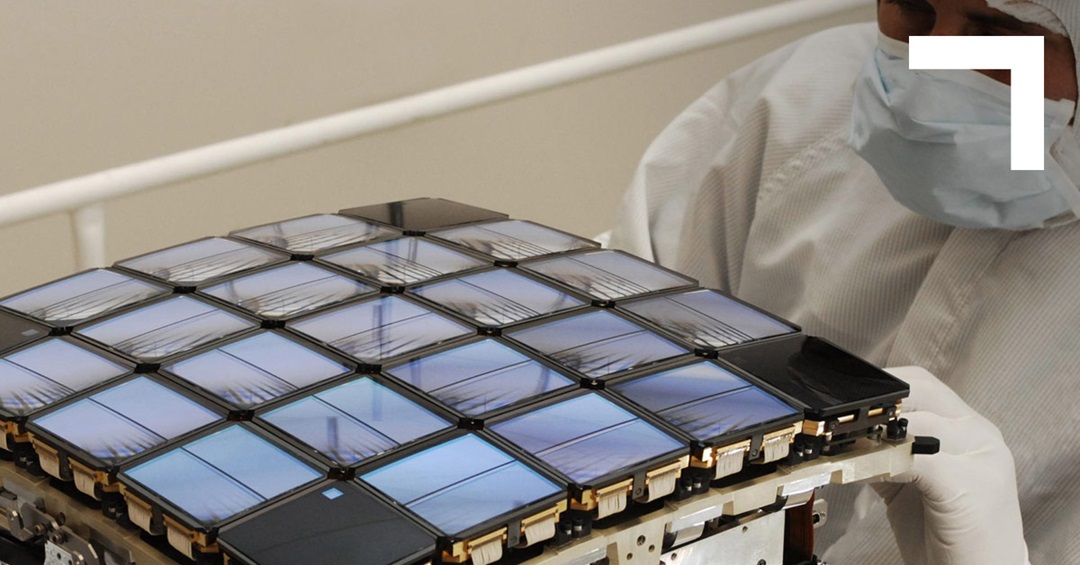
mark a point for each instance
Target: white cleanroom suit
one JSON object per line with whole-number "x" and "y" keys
{"x": 755, "y": 190}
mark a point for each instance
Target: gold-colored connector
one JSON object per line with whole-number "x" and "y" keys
{"x": 660, "y": 482}
{"x": 16, "y": 432}
{"x": 541, "y": 526}
{"x": 482, "y": 548}
{"x": 48, "y": 458}
{"x": 188, "y": 541}
{"x": 607, "y": 500}
{"x": 776, "y": 445}
{"x": 86, "y": 479}
{"x": 813, "y": 427}
{"x": 139, "y": 511}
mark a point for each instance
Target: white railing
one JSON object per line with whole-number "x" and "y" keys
{"x": 83, "y": 197}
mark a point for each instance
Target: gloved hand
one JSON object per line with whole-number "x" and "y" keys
{"x": 960, "y": 505}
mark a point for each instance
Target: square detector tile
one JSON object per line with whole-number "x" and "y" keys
{"x": 221, "y": 475}
{"x": 165, "y": 328}
{"x": 289, "y": 290}
{"x": 608, "y": 275}
{"x": 377, "y": 330}
{"x": 461, "y": 484}
{"x": 83, "y": 296}
{"x": 191, "y": 264}
{"x": 706, "y": 401}
{"x": 423, "y": 214}
{"x": 124, "y": 420}
{"x": 404, "y": 261}
{"x": 252, "y": 371}
{"x": 332, "y": 522}
{"x": 707, "y": 319}
{"x": 514, "y": 240}
{"x": 498, "y": 298}
{"x": 355, "y": 421}
{"x": 598, "y": 344}
{"x": 16, "y": 331}
{"x": 482, "y": 377}
{"x": 50, "y": 371}
{"x": 588, "y": 438}
{"x": 312, "y": 234}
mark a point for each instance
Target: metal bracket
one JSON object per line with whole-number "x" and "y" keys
{"x": 21, "y": 515}
{"x": 63, "y": 547}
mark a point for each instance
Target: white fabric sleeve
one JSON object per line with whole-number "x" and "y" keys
{"x": 700, "y": 143}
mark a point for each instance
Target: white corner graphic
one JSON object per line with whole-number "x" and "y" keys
{"x": 1023, "y": 55}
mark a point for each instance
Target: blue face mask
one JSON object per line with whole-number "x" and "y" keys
{"x": 941, "y": 143}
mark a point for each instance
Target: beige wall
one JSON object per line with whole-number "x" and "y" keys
{"x": 98, "y": 84}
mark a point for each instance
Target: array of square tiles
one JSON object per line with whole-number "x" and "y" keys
{"x": 424, "y": 360}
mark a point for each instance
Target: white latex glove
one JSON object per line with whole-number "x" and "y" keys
{"x": 960, "y": 505}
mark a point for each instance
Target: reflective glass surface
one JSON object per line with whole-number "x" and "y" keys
{"x": 257, "y": 369}
{"x": 708, "y": 319}
{"x": 342, "y": 523}
{"x": 461, "y": 483}
{"x": 50, "y": 371}
{"x": 380, "y": 329}
{"x": 704, "y": 400}
{"x": 825, "y": 379}
{"x": 355, "y": 421}
{"x": 422, "y": 214}
{"x": 608, "y": 275}
{"x": 93, "y": 293}
{"x": 288, "y": 290}
{"x": 513, "y": 240}
{"x": 125, "y": 420}
{"x": 311, "y": 234}
{"x": 498, "y": 298}
{"x": 223, "y": 474}
{"x": 164, "y": 328}
{"x": 202, "y": 260}
{"x": 477, "y": 378}
{"x": 16, "y": 331}
{"x": 598, "y": 343}
{"x": 403, "y": 261}
{"x": 587, "y": 437}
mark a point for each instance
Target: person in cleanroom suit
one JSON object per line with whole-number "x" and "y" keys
{"x": 876, "y": 206}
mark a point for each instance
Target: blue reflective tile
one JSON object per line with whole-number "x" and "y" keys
{"x": 708, "y": 319}
{"x": 513, "y": 240}
{"x": 125, "y": 420}
{"x": 597, "y": 344}
{"x": 481, "y": 377}
{"x": 312, "y": 234}
{"x": 704, "y": 400}
{"x": 497, "y": 298}
{"x": 380, "y": 329}
{"x": 257, "y": 369}
{"x": 165, "y": 328}
{"x": 588, "y": 437}
{"x": 608, "y": 275}
{"x": 50, "y": 371}
{"x": 356, "y": 421}
{"x": 461, "y": 483}
{"x": 403, "y": 261}
{"x": 201, "y": 260}
{"x": 218, "y": 476}
{"x": 88, "y": 295}
{"x": 288, "y": 290}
